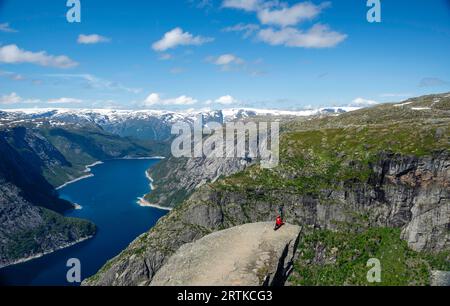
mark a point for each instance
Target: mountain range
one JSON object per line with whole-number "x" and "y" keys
{"x": 144, "y": 124}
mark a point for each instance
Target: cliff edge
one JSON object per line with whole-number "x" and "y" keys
{"x": 247, "y": 255}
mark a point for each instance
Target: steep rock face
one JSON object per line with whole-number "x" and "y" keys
{"x": 24, "y": 156}
{"x": 247, "y": 255}
{"x": 176, "y": 178}
{"x": 396, "y": 192}
{"x": 27, "y": 230}
{"x": 429, "y": 226}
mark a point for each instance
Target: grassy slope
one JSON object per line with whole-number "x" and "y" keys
{"x": 344, "y": 255}
{"x": 315, "y": 154}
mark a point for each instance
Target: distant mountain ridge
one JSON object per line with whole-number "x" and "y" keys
{"x": 147, "y": 124}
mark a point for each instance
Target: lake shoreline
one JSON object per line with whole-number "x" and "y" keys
{"x": 88, "y": 169}
{"x": 144, "y": 203}
{"x": 42, "y": 254}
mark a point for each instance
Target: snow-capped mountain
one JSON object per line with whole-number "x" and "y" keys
{"x": 239, "y": 113}
{"x": 145, "y": 124}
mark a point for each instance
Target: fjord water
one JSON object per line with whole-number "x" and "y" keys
{"x": 109, "y": 200}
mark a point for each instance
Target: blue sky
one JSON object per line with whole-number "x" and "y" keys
{"x": 182, "y": 54}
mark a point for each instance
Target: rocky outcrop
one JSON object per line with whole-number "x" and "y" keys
{"x": 429, "y": 225}
{"x": 175, "y": 179}
{"x": 440, "y": 278}
{"x": 246, "y": 255}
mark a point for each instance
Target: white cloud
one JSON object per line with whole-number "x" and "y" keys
{"x": 12, "y": 76}
{"x": 319, "y": 36}
{"x": 155, "y": 99}
{"x": 226, "y": 100}
{"x": 177, "y": 37}
{"x": 279, "y": 14}
{"x": 362, "y": 102}
{"x": 226, "y": 59}
{"x": 289, "y": 16}
{"x": 11, "y": 54}
{"x": 92, "y": 81}
{"x": 12, "y": 98}
{"x": 246, "y": 5}
{"x": 92, "y": 39}
{"x": 247, "y": 29}
{"x": 64, "y": 100}
{"x": 152, "y": 99}
{"x": 4, "y": 27}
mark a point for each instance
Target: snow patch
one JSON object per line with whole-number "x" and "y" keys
{"x": 420, "y": 108}
{"x": 402, "y": 104}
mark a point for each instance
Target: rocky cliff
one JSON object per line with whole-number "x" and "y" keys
{"x": 175, "y": 179}
{"x": 247, "y": 255}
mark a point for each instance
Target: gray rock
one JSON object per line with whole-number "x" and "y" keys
{"x": 176, "y": 179}
{"x": 440, "y": 278}
{"x": 247, "y": 255}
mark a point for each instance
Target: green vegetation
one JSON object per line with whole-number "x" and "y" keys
{"x": 53, "y": 230}
{"x": 340, "y": 258}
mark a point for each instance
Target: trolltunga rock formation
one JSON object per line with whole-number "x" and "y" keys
{"x": 247, "y": 255}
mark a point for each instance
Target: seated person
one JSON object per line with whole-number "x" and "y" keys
{"x": 279, "y": 223}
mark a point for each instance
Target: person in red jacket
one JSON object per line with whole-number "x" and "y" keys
{"x": 279, "y": 223}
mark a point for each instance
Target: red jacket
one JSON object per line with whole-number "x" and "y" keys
{"x": 279, "y": 221}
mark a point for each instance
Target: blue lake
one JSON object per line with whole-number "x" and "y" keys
{"x": 109, "y": 199}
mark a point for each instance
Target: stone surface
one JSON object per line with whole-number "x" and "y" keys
{"x": 440, "y": 278}
{"x": 247, "y": 255}
{"x": 177, "y": 178}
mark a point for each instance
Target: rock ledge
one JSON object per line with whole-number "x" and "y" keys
{"x": 247, "y": 255}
